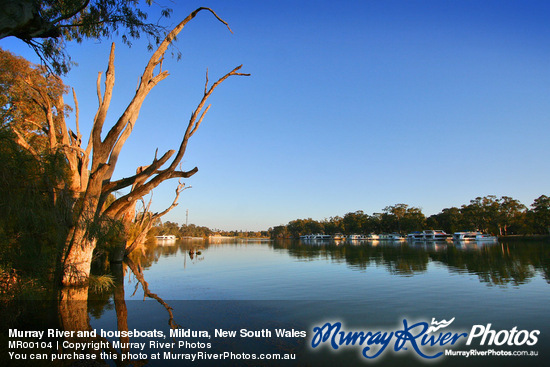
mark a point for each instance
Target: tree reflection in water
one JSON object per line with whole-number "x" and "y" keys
{"x": 74, "y": 317}
{"x": 138, "y": 273}
{"x": 74, "y": 311}
{"x": 505, "y": 263}
{"x": 502, "y": 264}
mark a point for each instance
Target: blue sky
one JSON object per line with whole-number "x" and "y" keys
{"x": 352, "y": 105}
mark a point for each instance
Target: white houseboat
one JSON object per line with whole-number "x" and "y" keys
{"x": 474, "y": 236}
{"x": 317, "y": 236}
{"x": 429, "y": 235}
{"x": 415, "y": 236}
{"x": 166, "y": 237}
{"x": 391, "y": 237}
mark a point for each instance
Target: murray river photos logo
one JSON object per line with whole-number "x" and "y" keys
{"x": 428, "y": 341}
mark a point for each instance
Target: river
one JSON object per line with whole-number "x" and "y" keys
{"x": 259, "y": 288}
{"x": 290, "y": 303}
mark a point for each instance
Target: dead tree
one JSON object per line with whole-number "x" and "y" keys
{"x": 142, "y": 222}
{"x": 92, "y": 167}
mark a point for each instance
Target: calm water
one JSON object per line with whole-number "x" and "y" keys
{"x": 266, "y": 285}
{"x": 254, "y": 285}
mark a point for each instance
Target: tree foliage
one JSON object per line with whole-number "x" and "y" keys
{"x": 31, "y": 101}
{"x": 46, "y": 25}
{"x": 33, "y": 218}
{"x": 499, "y": 216}
{"x": 39, "y": 112}
{"x": 540, "y": 214}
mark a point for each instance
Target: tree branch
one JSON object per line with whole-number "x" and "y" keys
{"x": 100, "y": 154}
{"x": 193, "y": 124}
{"x": 64, "y": 132}
{"x": 77, "y": 118}
{"x": 71, "y": 14}
{"x": 20, "y": 140}
{"x": 119, "y": 133}
{"x": 146, "y": 173}
{"x": 111, "y": 146}
{"x": 119, "y": 206}
{"x": 148, "y": 81}
{"x": 179, "y": 189}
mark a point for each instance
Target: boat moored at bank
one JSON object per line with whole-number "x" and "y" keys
{"x": 415, "y": 236}
{"x": 317, "y": 236}
{"x": 474, "y": 236}
{"x": 356, "y": 237}
{"x": 338, "y": 237}
{"x": 166, "y": 237}
{"x": 429, "y": 235}
{"x": 391, "y": 237}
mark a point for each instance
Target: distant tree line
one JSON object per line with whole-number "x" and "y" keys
{"x": 192, "y": 230}
{"x": 171, "y": 228}
{"x": 500, "y": 216}
{"x": 245, "y": 234}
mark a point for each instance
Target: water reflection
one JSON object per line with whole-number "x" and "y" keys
{"x": 137, "y": 271}
{"x": 388, "y": 274}
{"x": 503, "y": 263}
{"x": 75, "y": 306}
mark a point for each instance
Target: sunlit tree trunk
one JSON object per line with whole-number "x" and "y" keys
{"x": 80, "y": 244}
{"x": 98, "y": 186}
{"x": 91, "y": 168}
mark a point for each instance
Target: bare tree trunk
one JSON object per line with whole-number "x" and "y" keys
{"x": 80, "y": 245}
{"x": 95, "y": 184}
{"x": 77, "y": 264}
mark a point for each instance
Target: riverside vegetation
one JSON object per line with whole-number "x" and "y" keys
{"x": 500, "y": 216}
{"x": 57, "y": 205}
{"x": 57, "y": 208}
{"x": 38, "y": 201}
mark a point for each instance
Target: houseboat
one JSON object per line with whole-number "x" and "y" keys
{"x": 338, "y": 237}
{"x": 429, "y": 235}
{"x": 474, "y": 236}
{"x": 317, "y": 236}
{"x": 391, "y": 237}
{"x": 166, "y": 237}
{"x": 415, "y": 236}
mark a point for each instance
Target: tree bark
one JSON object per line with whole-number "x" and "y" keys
{"x": 104, "y": 156}
{"x": 80, "y": 245}
{"x": 77, "y": 264}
